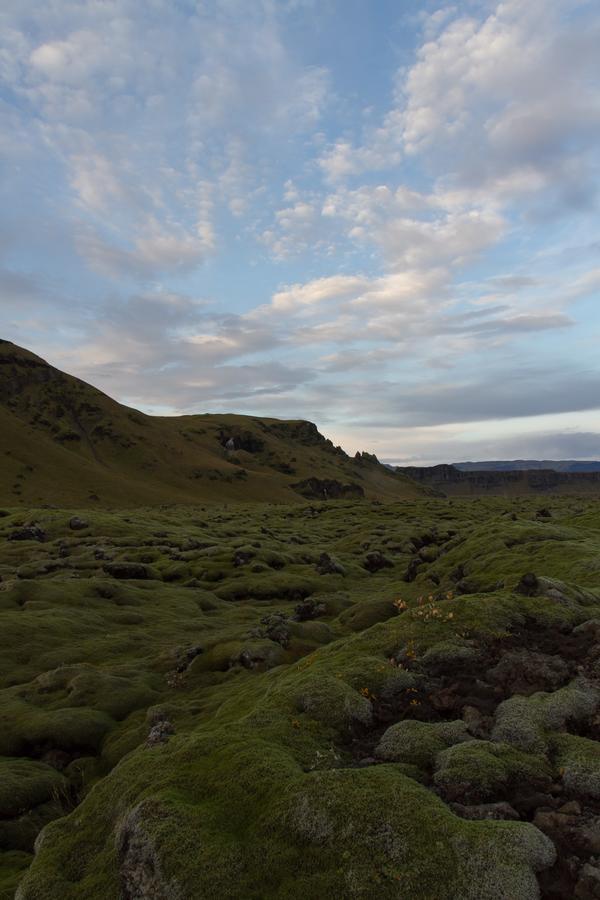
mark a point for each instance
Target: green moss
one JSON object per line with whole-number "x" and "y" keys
{"x": 526, "y": 721}
{"x": 13, "y": 865}
{"x": 480, "y": 770}
{"x": 25, "y": 784}
{"x": 578, "y": 762}
{"x": 256, "y": 792}
{"x": 419, "y": 743}
{"x": 368, "y": 612}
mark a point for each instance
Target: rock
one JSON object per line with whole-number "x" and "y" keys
{"x": 246, "y": 659}
{"x": 477, "y": 724}
{"x": 412, "y": 570}
{"x": 590, "y": 835}
{"x": 375, "y": 561}
{"x": 190, "y": 654}
{"x": 572, "y": 808}
{"x": 28, "y": 533}
{"x": 77, "y": 524}
{"x": 141, "y": 869}
{"x": 528, "y": 585}
{"x": 309, "y": 609}
{"x": 242, "y": 557}
{"x": 264, "y": 654}
{"x": 591, "y": 628}
{"x": 467, "y": 586}
{"x": 328, "y": 565}
{"x": 160, "y": 733}
{"x": 276, "y": 628}
{"x": 328, "y": 489}
{"x": 525, "y": 672}
{"x": 481, "y": 811}
{"x": 126, "y": 570}
{"x": 549, "y": 821}
{"x": 588, "y": 884}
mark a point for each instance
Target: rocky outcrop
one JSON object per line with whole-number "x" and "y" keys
{"x": 328, "y": 489}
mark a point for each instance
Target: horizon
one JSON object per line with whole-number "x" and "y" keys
{"x": 383, "y": 222}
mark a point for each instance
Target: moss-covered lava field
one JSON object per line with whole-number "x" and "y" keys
{"x": 346, "y": 699}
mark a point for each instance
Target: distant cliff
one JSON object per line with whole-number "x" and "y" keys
{"x": 511, "y": 465}
{"x": 453, "y": 481}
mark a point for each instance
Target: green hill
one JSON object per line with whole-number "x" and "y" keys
{"x": 65, "y": 442}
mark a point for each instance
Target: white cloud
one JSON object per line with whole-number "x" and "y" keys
{"x": 322, "y": 290}
{"x": 143, "y": 107}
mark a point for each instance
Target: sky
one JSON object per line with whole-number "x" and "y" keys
{"x": 379, "y": 215}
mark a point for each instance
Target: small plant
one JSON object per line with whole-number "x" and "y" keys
{"x": 366, "y": 692}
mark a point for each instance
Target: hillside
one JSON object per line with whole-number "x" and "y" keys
{"x": 64, "y": 442}
{"x": 454, "y": 482}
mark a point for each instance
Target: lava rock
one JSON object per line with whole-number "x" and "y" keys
{"x": 77, "y": 524}
{"x": 309, "y": 609}
{"x": 328, "y": 565}
{"x": 28, "y": 533}
{"x": 375, "y": 561}
{"x": 127, "y": 570}
{"x": 481, "y": 811}
{"x": 160, "y": 733}
{"x": 525, "y": 672}
{"x": 528, "y": 585}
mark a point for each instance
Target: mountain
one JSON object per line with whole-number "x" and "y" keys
{"x": 64, "y": 442}
{"x": 520, "y": 465}
{"x": 452, "y": 481}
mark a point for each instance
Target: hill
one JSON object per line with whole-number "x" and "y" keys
{"x": 520, "y": 465}
{"x": 65, "y": 442}
{"x": 451, "y": 481}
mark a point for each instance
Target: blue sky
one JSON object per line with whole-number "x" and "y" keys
{"x": 381, "y": 216}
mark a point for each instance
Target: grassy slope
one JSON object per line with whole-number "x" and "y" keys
{"x": 257, "y": 794}
{"x": 64, "y": 442}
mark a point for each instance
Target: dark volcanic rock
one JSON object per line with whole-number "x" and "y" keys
{"x": 125, "y": 570}
{"x": 375, "y": 561}
{"x": 28, "y": 533}
{"x": 528, "y": 585}
{"x": 309, "y": 609}
{"x": 160, "y": 733}
{"x": 500, "y": 810}
{"x": 327, "y": 565}
{"x": 242, "y": 557}
{"x": 524, "y": 672}
{"x": 76, "y": 524}
{"x": 327, "y": 489}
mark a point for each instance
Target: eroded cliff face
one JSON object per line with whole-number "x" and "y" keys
{"x": 451, "y": 480}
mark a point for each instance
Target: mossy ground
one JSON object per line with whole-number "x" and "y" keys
{"x": 266, "y": 782}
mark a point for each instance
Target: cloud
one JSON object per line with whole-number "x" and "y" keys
{"x": 155, "y": 250}
{"x": 154, "y": 116}
{"x": 202, "y": 204}
{"x": 436, "y": 447}
{"x": 501, "y": 395}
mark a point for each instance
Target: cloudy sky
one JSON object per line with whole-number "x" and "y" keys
{"x": 382, "y": 216}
